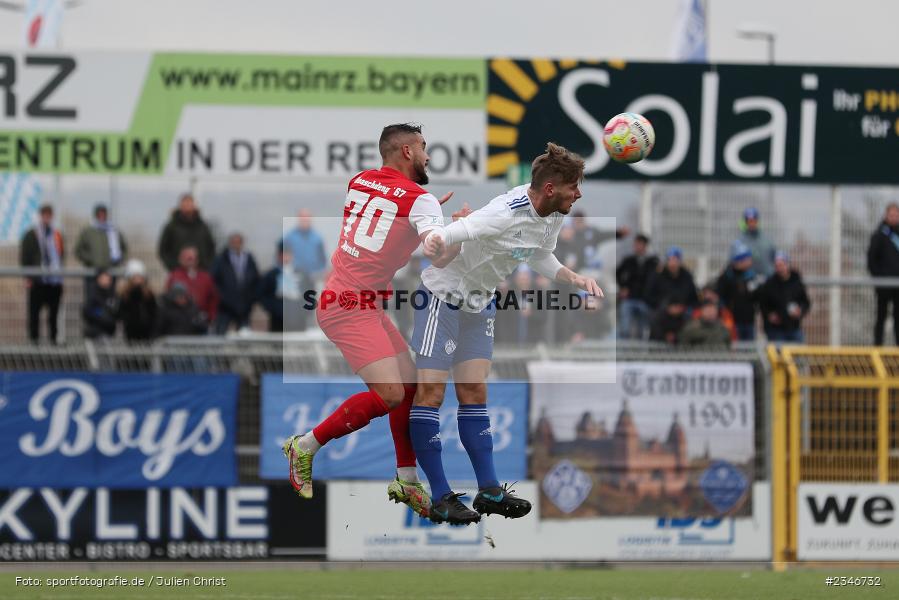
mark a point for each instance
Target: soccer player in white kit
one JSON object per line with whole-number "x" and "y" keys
{"x": 455, "y": 331}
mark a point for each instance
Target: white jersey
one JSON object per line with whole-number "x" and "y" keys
{"x": 505, "y": 233}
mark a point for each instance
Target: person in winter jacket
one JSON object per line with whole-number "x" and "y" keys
{"x": 137, "y": 304}
{"x": 237, "y": 280}
{"x": 710, "y": 294}
{"x": 178, "y": 315}
{"x": 671, "y": 293}
{"x": 280, "y": 292}
{"x": 632, "y": 275}
{"x": 883, "y": 261}
{"x": 588, "y": 238}
{"x": 100, "y": 245}
{"x": 707, "y": 330}
{"x": 784, "y": 302}
{"x": 42, "y": 246}
{"x": 101, "y": 311}
{"x": 186, "y": 228}
{"x": 760, "y": 245}
{"x": 197, "y": 282}
{"x": 738, "y": 288}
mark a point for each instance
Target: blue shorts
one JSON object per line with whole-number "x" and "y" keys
{"x": 446, "y": 335}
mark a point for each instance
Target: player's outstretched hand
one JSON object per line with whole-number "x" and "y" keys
{"x": 434, "y": 246}
{"x": 445, "y": 198}
{"x": 462, "y": 212}
{"x": 589, "y": 285}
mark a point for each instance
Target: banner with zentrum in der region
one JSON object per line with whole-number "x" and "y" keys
{"x": 230, "y": 114}
{"x": 667, "y": 438}
{"x": 809, "y": 124}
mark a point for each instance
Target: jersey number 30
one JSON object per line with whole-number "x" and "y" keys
{"x": 377, "y": 218}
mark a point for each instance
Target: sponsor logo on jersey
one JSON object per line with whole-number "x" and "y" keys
{"x": 373, "y": 185}
{"x": 522, "y": 253}
{"x": 349, "y": 249}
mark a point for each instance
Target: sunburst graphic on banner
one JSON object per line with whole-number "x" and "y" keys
{"x": 505, "y": 112}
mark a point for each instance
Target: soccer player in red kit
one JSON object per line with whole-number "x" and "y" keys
{"x": 386, "y": 215}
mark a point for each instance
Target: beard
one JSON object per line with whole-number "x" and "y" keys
{"x": 564, "y": 206}
{"x": 420, "y": 173}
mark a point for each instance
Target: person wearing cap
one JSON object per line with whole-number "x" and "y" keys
{"x": 761, "y": 247}
{"x": 784, "y": 302}
{"x": 43, "y": 246}
{"x": 883, "y": 261}
{"x": 179, "y": 314}
{"x": 709, "y": 293}
{"x": 707, "y": 330}
{"x": 671, "y": 293}
{"x": 738, "y": 286}
{"x": 632, "y": 275}
{"x": 101, "y": 245}
{"x": 138, "y": 310}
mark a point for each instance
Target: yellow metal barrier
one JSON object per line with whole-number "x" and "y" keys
{"x": 835, "y": 417}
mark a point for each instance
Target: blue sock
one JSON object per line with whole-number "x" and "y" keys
{"x": 424, "y": 429}
{"x": 474, "y": 431}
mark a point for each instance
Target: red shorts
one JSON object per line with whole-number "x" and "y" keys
{"x": 363, "y": 335}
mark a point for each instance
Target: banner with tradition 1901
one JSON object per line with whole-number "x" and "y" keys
{"x": 665, "y": 439}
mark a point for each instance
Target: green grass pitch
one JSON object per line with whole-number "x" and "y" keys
{"x": 340, "y": 583}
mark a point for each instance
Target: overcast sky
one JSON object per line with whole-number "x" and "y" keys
{"x": 809, "y": 31}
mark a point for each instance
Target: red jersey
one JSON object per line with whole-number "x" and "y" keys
{"x": 383, "y": 217}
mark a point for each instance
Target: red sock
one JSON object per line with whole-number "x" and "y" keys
{"x": 355, "y": 413}
{"x": 399, "y": 427}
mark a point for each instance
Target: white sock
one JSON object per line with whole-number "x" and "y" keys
{"x": 309, "y": 443}
{"x": 409, "y": 474}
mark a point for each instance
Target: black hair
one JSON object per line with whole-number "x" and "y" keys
{"x": 387, "y": 142}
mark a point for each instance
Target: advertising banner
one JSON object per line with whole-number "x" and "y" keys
{"x": 117, "y": 430}
{"x": 319, "y": 116}
{"x": 667, "y": 438}
{"x": 289, "y": 408}
{"x": 230, "y": 114}
{"x": 363, "y": 526}
{"x": 847, "y": 521}
{"x": 235, "y": 523}
{"x": 712, "y": 122}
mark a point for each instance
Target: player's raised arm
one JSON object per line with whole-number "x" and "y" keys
{"x": 490, "y": 220}
{"x": 545, "y": 262}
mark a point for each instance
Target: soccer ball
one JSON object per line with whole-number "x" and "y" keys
{"x": 628, "y": 137}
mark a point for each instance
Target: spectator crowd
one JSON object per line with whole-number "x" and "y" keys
{"x": 204, "y": 291}
{"x": 659, "y": 299}
{"x": 210, "y": 291}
